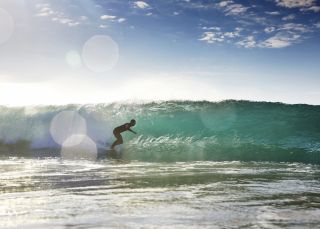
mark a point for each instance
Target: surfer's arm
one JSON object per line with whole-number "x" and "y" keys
{"x": 132, "y": 131}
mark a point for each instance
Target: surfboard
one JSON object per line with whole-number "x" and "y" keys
{"x": 109, "y": 154}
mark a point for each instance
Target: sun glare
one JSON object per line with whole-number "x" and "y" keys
{"x": 6, "y": 26}
{"x": 100, "y": 53}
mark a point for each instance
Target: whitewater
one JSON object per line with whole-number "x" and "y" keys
{"x": 193, "y": 164}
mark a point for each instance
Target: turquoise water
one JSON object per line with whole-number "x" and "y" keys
{"x": 232, "y": 164}
{"x": 174, "y": 130}
{"x": 55, "y": 193}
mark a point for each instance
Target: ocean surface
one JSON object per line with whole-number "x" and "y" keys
{"x": 230, "y": 164}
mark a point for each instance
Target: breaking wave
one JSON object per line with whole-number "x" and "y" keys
{"x": 170, "y": 130}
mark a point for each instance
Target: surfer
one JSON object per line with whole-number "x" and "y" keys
{"x": 120, "y": 129}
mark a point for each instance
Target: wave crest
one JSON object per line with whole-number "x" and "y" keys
{"x": 177, "y": 130}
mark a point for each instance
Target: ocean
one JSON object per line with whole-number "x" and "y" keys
{"x": 229, "y": 164}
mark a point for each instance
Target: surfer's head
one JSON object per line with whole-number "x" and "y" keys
{"x": 132, "y": 122}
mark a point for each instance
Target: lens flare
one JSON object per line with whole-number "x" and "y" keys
{"x": 6, "y": 26}
{"x": 66, "y": 124}
{"x": 100, "y": 53}
{"x": 73, "y": 59}
{"x": 79, "y": 147}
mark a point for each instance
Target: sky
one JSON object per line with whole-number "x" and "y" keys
{"x": 94, "y": 51}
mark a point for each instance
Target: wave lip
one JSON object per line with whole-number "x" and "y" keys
{"x": 178, "y": 130}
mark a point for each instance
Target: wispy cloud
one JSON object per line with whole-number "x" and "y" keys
{"x": 111, "y": 18}
{"x": 231, "y": 8}
{"x": 45, "y": 10}
{"x": 315, "y": 9}
{"x": 212, "y": 37}
{"x": 304, "y": 5}
{"x": 141, "y": 5}
{"x": 273, "y": 13}
{"x": 295, "y": 3}
{"x": 277, "y": 36}
{"x": 235, "y": 9}
{"x": 235, "y": 33}
{"x": 262, "y": 29}
{"x": 295, "y": 27}
{"x": 280, "y": 40}
{"x": 289, "y": 17}
{"x": 285, "y": 23}
{"x": 215, "y": 34}
{"x": 286, "y": 35}
{"x": 269, "y": 29}
{"x": 65, "y": 21}
{"x": 107, "y": 17}
{"x": 248, "y": 42}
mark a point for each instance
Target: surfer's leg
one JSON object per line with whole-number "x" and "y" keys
{"x": 118, "y": 141}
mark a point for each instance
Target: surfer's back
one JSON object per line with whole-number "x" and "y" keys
{"x": 121, "y": 128}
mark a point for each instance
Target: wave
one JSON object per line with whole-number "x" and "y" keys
{"x": 171, "y": 130}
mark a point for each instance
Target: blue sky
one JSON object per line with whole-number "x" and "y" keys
{"x": 58, "y": 52}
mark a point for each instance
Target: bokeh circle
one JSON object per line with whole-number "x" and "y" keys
{"x": 73, "y": 59}
{"x": 78, "y": 147}
{"x": 100, "y": 53}
{"x": 66, "y": 124}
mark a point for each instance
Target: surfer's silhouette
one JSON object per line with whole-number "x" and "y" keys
{"x": 118, "y": 130}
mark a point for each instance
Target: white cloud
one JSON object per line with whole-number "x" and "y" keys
{"x": 230, "y": 8}
{"x": 141, "y": 5}
{"x": 111, "y": 18}
{"x": 215, "y": 34}
{"x": 315, "y": 9}
{"x": 120, "y": 20}
{"x": 211, "y": 37}
{"x": 317, "y": 25}
{"x": 248, "y": 42}
{"x": 289, "y": 17}
{"x": 233, "y": 34}
{"x": 65, "y": 21}
{"x": 295, "y": 27}
{"x": 269, "y": 29}
{"x": 281, "y": 40}
{"x": 274, "y": 31}
{"x": 235, "y": 9}
{"x": 295, "y": 3}
{"x": 224, "y": 3}
{"x": 45, "y": 10}
{"x": 304, "y": 5}
{"x": 273, "y": 13}
{"x": 275, "y": 42}
{"x": 74, "y": 23}
{"x": 103, "y": 26}
{"x": 287, "y": 34}
{"x": 107, "y": 17}
{"x": 212, "y": 28}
